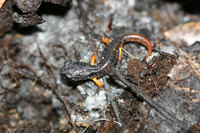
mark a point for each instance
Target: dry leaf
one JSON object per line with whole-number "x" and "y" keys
{"x": 186, "y": 65}
{"x": 1, "y": 3}
{"x": 185, "y": 34}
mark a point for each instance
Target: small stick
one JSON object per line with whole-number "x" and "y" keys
{"x": 127, "y": 52}
{"x": 97, "y": 121}
{"x": 110, "y": 100}
{"x": 140, "y": 94}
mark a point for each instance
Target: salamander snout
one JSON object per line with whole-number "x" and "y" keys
{"x": 75, "y": 70}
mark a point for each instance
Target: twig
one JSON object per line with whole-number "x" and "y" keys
{"x": 114, "y": 106}
{"x": 144, "y": 119}
{"x": 6, "y": 56}
{"x": 47, "y": 65}
{"x": 106, "y": 127}
{"x": 27, "y": 67}
{"x": 49, "y": 86}
{"x": 97, "y": 121}
{"x": 194, "y": 65}
{"x": 69, "y": 115}
{"x": 64, "y": 101}
{"x": 128, "y": 53}
{"x": 140, "y": 94}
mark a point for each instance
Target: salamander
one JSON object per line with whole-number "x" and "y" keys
{"x": 77, "y": 71}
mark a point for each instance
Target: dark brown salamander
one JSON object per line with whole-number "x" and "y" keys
{"x": 81, "y": 70}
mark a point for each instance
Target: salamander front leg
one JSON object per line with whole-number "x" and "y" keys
{"x": 107, "y": 41}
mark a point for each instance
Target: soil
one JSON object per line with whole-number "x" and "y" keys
{"x": 37, "y": 37}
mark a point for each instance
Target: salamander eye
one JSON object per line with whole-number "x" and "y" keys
{"x": 78, "y": 72}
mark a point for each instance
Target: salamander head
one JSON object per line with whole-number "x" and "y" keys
{"x": 76, "y": 71}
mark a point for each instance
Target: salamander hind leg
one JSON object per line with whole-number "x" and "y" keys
{"x": 97, "y": 82}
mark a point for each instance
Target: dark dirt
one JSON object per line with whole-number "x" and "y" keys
{"x": 38, "y": 36}
{"x": 151, "y": 78}
{"x": 6, "y": 18}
